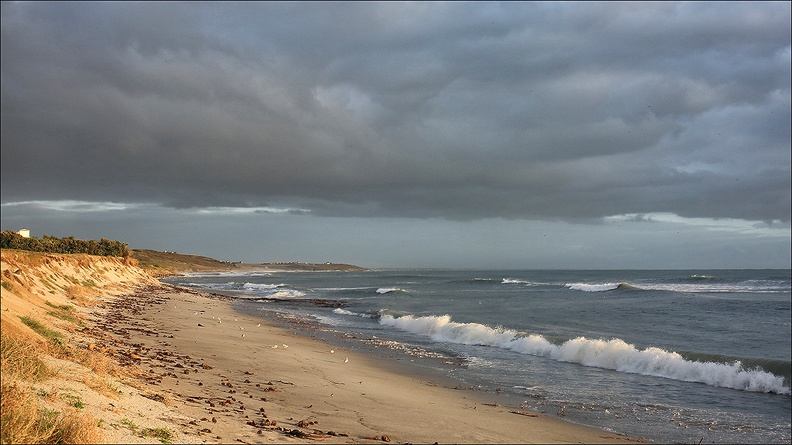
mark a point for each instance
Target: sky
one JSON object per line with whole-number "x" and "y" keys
{"x": 539, "y": 135}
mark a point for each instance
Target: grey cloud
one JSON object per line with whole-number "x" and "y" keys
{"x": 460, "y": 111}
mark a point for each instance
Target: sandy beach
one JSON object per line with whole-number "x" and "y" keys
{"x": 235, "y": 378}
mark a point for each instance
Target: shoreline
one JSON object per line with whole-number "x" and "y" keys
{"x": 236, "y": 377}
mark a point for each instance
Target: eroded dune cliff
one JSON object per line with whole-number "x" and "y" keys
{"x": 57, "y": 386}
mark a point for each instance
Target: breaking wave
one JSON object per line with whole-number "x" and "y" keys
{"x": 615, "y": 354}
{"x": 513, "y": 281}
{"x": 603, "y": 287}
{"x": 287, "y": 293}
{"x": 340, "y": 311}
{"x": 388, "y": 290}
{"x": 700, "y": 284}
{"x": 696, "y": 277}
{"x": 256, "y": 287}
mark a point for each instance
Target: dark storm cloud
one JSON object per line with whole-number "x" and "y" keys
{"x": 452, "y": 110}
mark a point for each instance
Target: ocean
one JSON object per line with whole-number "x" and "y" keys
{"x": 671, "y": 356}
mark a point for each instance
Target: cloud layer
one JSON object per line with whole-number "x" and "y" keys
{"x": 446, "y": 110}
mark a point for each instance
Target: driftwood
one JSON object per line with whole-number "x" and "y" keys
{"x": 524, "y": 414}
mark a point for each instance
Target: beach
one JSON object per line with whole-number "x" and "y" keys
{"x": 95, "y": 350}
{"x": 236, "y": 378}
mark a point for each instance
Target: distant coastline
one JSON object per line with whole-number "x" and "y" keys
{"x": 165, "y": 263}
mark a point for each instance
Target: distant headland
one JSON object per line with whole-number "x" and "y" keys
{"x": 168, "y": 263}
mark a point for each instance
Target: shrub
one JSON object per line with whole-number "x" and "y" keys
{"x": 163, "y": 434}
{"x": 20, "y": 360}
{"x": 51, "y": 244}
{"x": 24, "y": 421}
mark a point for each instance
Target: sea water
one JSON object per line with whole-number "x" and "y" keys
{"x": 670, "y": 356}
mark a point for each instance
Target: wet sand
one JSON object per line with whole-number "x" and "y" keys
{"x": 236, "y": 378}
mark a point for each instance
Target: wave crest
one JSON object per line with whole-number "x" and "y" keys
{"x": 340, "y": 311}
{"x": 258, "y": 287}
{"x": 601, "y": 287}
{"x": 615, "y": 354}
{"x": 388, "y": 290}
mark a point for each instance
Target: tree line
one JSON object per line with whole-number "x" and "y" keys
{"x": 50, "y": 244}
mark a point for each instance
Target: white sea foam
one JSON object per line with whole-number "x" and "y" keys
{"x": 697, "y": 286}
{"x": 751, "y": 286}
{"x": 215, "y": 286}
{"x": 288, "y": 293}
{"x": 260, "y": 287}
{"x": 340, "y": 288}
{"x": 602, "y": 287}
{"x": 615, "y": 354}
{"x": 523, "y": 282}
{"x": 513, "y": 281}
{"x": 387, "y": 290}
{"x": 340, "y": 311}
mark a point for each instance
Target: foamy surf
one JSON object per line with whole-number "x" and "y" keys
{"x": 704, "y": 285}
{"x": 388, "y": 290}
{"x": 340, "y": 311}
{"x": 513, "y": 281}
{"x": 288, "y": 293}
{"x": 603, "y": 287}
{"x": 258, "y": 287}
{"x": 615, "y": 354}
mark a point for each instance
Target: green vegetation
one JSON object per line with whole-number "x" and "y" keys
{"x": 65, "y": 313}
{"x": 23, "y": 418}
{"x": 162, "y": 434}
{"x": 51, "y": 244}
{"x": 42, "y": 330}
{"x": 66, "y": 317}
{"x": 61, "y": 307}
{"x": 74, "y": 401}
{"x": 129, "y": 424}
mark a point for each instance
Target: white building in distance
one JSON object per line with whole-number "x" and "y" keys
{"x": 24, "y": 233}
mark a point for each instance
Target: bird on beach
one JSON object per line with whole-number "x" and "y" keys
{"x": 346, "y": 359}
{"x": 258, "y": 325}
